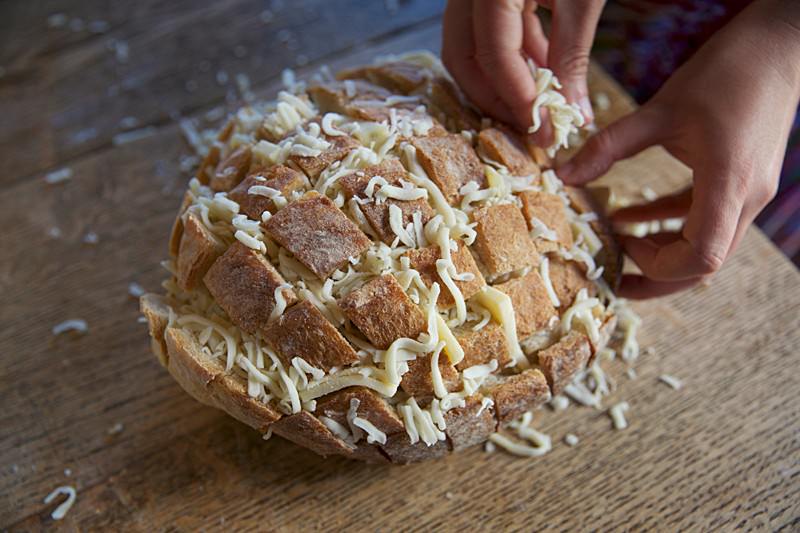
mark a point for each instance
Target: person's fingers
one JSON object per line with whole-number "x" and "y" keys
{"x": 624, "y": 138}
{"x": 534, "y": 40}
{"x": 571, "y": 37}
{"x": 706, "y": 239}
{"x": 713, "y": 218}
{"x": 498, "y": 31}
{"x": 638, "y": 287}
{"x": 458, "y": 55}
{"x": 671, "y": 206}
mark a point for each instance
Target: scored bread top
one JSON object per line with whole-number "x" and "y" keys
{"x": 371, "y": 243}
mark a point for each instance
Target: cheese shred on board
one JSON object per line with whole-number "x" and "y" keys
{"x": 350, "y": 244}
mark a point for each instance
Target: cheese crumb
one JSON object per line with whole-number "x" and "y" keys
{"x": 66, "y": 505}
{"x": 617, "y": 413}
{"x": 672, "y": 381}
{"x": 58, "y": 176}
{"x": 74, "y": 324}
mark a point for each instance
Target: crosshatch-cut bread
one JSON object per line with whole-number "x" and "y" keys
{"x": 370, "y": 269}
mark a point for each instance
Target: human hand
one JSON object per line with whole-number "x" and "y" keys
{"x": 486, "y": 43}
{"x": 726, "y": 114}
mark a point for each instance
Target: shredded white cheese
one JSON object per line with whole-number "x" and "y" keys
{"x": 61, "y": 511}
{"x": 565, "y": 118}
{"x": 671, "y": 381}
{"x": 58, "y": 176}
{"x": 75, "y": 324}
{"x": 617, "y": 414}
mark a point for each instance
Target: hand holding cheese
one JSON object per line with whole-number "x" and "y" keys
{"x": 726, "y": 114}
{"x": 487, "y": 42}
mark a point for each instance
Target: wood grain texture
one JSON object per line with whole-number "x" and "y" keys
{"x": 720, "y": 454}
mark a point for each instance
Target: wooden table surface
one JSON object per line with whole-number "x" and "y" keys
{"x": 722, "y": 453}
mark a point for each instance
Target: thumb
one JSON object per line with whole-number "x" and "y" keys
{"x": 624, "y": 138}
{"x": 574, "y": 25}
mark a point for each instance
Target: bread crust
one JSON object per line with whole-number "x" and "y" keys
{"x": 502, "y": 145}
{"x": 231, "y": 170}
{"x": 383, "y": 312}
{"x": 471, "y": 424}
{"x": 424, "y": 260}
{"x": 450, "y": 163}
{"x": 399, "y": 449}
{"x": 243, "y": 283}
{"x": 319, "y": 235}
{"x": 198, "y": 250}
{"x": 206, "y": 381}
{"x": 280, "y": 177}
{"x": 503, "y": 243}
{"x": 481, "y": 346}
{"x": 610, "y": 257}
{"x": 302, "y": 331}
{"x": 532, "y": 307}
{"x": 155, "y": 309}
{"x": 563, "y": 360}
{"x": 304, "y": 429}
{"x": 549, "y": 209}
{"x": 514, "y": 395}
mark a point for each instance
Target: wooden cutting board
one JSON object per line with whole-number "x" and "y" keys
{"x": 97, "y": 411}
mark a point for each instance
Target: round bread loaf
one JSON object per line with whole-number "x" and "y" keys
{"x": 369, "y": 268}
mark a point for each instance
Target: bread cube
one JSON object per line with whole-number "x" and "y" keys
{"x": 231, "y": 170}
{"x": 281, "y": 178}
{"x": 341, "y": 145}
{"x": 470, "y": 425}
{"x": 302, "y": 331}
{"x": 481, "y": 346}
{"x": 610, "y": 257}
{"x": 503, "y": 243}
{"x": 424, "y": 261}
{"x": 397, "y": 76}
{"x": 317, "y": 233}
{"x": 418, "y": 381}
{"x": 198, "y": 250}
{"x": 377, "y": 214}
{"x": 371, "y": 407}
{"x": 450, "y": 163}
{"x": 533, "y": 310}
{"x": 304, "y": 429}
{"x": 567, "y": 278}
{"x": 383, "y": 312}
{"x": 561, "y": 361}
{"x": 400, "y": 450}
{"x": 515, "y": 395}
{"x": 446, "y": 98}
{"x": 243, "y": 284}
{"x": 177, "y": 226}
{"x": 549, "y": 209}
{"x": 505, "y": 147}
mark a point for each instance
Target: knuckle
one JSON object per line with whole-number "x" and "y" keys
{"x": 574, "y": 62}
{"x": 709, "y": 261}
{"x": 765, "y": 192}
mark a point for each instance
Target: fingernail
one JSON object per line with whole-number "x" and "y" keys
{"x": 586, "y": 107}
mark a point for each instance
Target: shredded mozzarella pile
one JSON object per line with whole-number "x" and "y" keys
{"x": 565, "y": 118}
